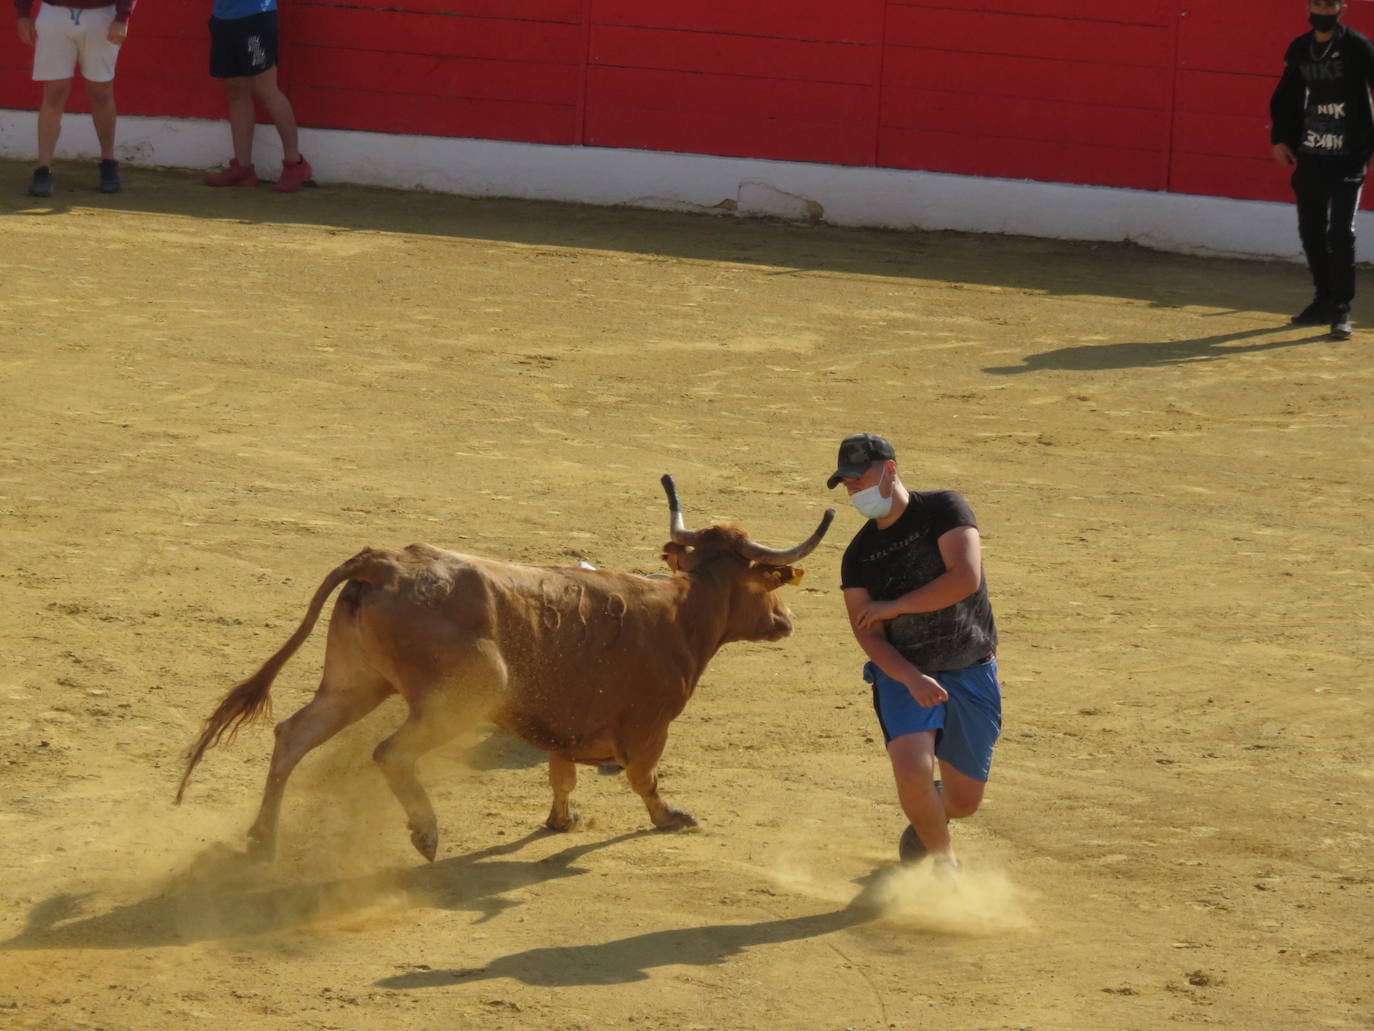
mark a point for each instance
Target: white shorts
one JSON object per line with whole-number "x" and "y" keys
{"x": 66, "y": 36}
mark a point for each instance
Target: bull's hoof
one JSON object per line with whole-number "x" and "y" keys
{"x": 565, "y": 823}
{"x": 426, "y": 841}
{"x": 675, "y": 820}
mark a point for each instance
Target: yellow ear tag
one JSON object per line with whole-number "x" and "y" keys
{"x": 797, "y": 575}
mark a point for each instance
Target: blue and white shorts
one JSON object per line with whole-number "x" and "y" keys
{"x": 966, "y": 726}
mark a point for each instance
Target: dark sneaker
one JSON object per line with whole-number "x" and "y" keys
{"x": 1340, "y": 323}
{"x": 1318, "y": 313}
{"x": 911, "y": 849}
{"x": 42, "y": 182}
{"x": 109, "y": 176}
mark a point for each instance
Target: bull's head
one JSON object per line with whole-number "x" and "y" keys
{"x": 754, "y": 571}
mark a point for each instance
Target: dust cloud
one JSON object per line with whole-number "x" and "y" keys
{"x": 163, "y": 874}
{"x": 971, "y": 901}
{"x": 976, "y": 900}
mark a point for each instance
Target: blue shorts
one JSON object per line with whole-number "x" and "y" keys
{"x": 966, "y": 726}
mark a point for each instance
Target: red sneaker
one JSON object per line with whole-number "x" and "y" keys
{"x": 293, "y": 177}
{"x": 235, "y": 175}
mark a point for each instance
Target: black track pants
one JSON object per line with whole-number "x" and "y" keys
{"x": 1328, "y": 195}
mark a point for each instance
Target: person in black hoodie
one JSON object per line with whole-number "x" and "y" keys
{"x": 1323, "y": 127}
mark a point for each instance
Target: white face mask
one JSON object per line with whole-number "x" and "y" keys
{"x": 870, "y": 501}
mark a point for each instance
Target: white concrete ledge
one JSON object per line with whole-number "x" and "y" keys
{"x": 839, "y": 195}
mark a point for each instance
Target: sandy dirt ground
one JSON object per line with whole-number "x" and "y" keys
{"x": 210, "y": 398}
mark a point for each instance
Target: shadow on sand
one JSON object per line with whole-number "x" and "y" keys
{"x": 630, "y": 959}
{"x": 1143, "y": 355}
{"x": 222, "y": 897}
{"x": 218, "y": 900}
{"x": 783, "y": 248}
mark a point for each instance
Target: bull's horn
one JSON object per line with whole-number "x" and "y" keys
{"x": 676, "y": 529}
{"x": 774, "y": 556}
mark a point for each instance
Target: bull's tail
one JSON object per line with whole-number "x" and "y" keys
{"x": 249, "y": 699}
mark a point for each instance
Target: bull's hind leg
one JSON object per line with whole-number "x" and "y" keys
{"x": 397, "y": 755}
{"x": 641, "y": 770}
{"x": 445, "y": 700}
{"x": 562, "y": 778}
{"x": 344, "y": 697}
{"x": 349, "y": 689}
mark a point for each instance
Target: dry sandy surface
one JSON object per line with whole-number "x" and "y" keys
{"x": 211, "y": 398}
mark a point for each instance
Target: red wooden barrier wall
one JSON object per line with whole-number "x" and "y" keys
{"x": 1146, "y": 94}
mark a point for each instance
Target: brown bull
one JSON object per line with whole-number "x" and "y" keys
{"x": 587, "y": 665}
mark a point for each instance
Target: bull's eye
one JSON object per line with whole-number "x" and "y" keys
{"x": 780, "y": 575}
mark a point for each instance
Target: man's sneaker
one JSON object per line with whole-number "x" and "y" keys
{"x": 911, "y": 849}
{"x": 109, "y": 176}
{"x": 293, "y": 177}
{"x": 1318, "y": 313}
{"x": 1340, "y": 323}
{"x": 235, "y": 175}
{"x": 42, "y": 182}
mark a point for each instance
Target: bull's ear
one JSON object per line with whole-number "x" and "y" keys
{"x": 673, "y": 554}
{"x": 775, "y": 576}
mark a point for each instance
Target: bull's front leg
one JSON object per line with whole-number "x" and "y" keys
{"x": 641, "y": 770}
{"x": 562, "y": 778}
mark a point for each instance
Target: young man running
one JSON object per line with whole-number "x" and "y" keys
{"x": 918, "y": 606}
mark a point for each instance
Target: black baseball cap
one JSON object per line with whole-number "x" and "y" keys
{"x": 857, "y": 453}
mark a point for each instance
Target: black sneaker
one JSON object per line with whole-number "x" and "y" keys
{"x": 911, "y": 849}
{"x": 1340, "y": 323}
{"x": 1318, "y": 313}
{"x": 109, "y": 176}
{"x": 42, "y": 182}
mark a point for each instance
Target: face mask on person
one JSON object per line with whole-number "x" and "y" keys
{"x": 870, "y": 501}
{"x": 1323, "y": 22}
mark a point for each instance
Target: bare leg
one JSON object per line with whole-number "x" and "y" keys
{"x": 103, "y": 114}
{"x": 913, "y": 768}
{"x": 334, "y": 707}
{"x": 641, "y": 770}
{"x": 242, "y": 117}
{"x": 278, "y": 109}
{"x": 55, "y": 93}
{"x": 962, "y": 794}
{"x": 562, "y": 778}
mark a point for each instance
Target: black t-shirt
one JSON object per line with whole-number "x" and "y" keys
{"x": 1321, "y": 107}
{"x": 889, "y": 563}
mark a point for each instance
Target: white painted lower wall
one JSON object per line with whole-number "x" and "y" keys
{"x": 839, "y": 195}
